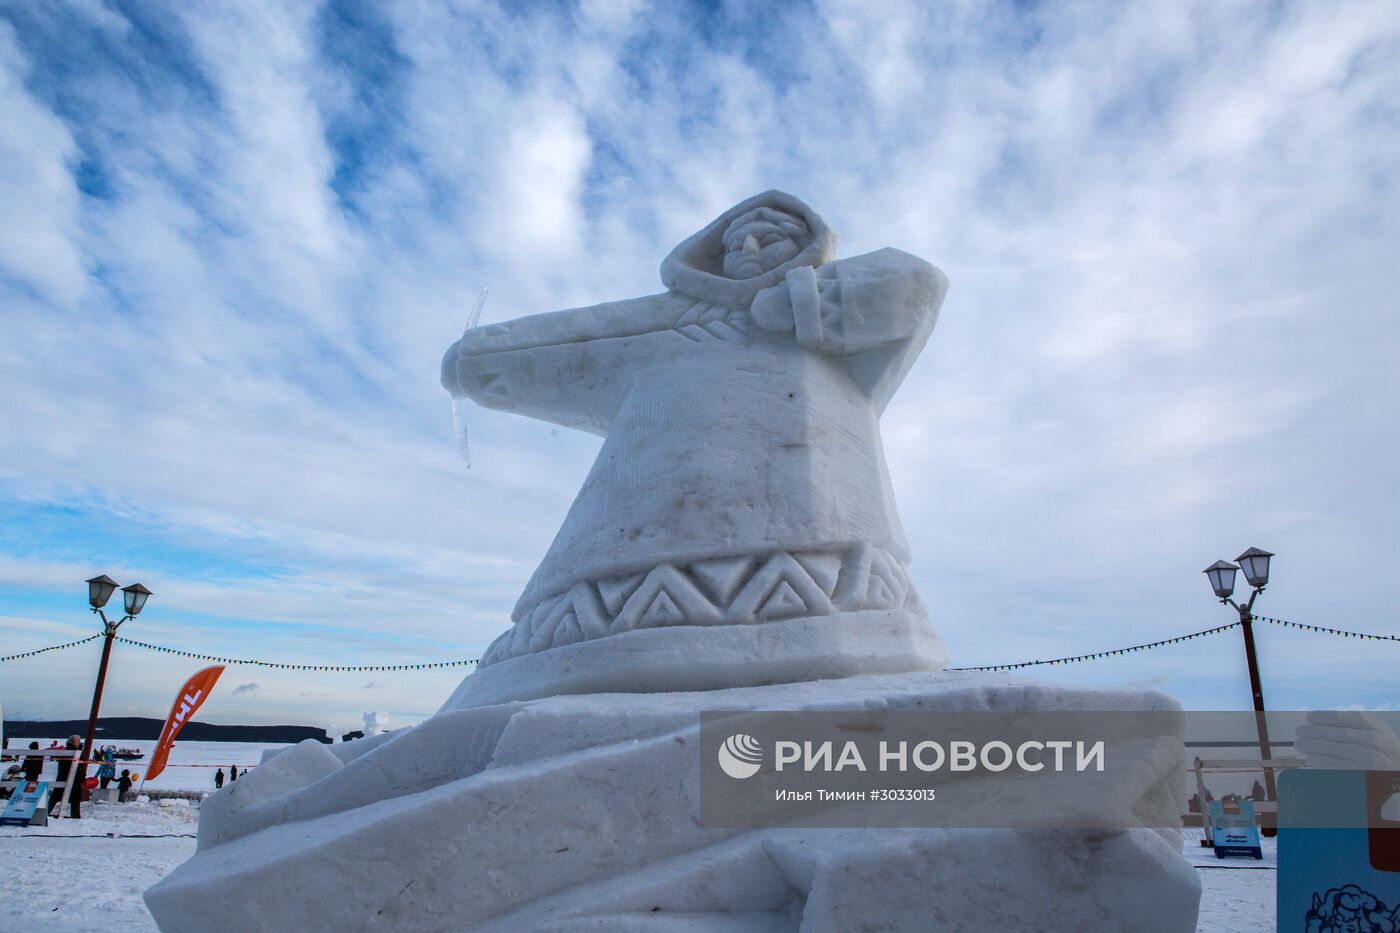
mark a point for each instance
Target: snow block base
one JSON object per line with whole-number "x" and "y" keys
{"x": 581, "y": 813}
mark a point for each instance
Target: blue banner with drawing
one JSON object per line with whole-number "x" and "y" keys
{"x": 26, "y": 799}
{"x": 1339, "y": 851}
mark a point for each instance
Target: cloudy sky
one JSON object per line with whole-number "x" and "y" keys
{"x": 235, "y": 241}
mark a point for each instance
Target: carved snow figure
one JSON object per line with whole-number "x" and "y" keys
{"x": 735, "y": 547}
{"x": 738, "y": 526}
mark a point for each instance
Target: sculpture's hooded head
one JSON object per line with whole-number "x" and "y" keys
{"x": 748, "y": 248}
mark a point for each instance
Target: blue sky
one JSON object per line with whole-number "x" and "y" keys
{"x": 238, "y": 237}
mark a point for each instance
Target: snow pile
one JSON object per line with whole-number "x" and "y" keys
{"x": 92, "y": 883}
{"x": 581, "y": 812}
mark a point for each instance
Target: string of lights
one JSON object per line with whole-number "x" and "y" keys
{"x": 30, "y": 654}
{"x": 337, "y": 668}
{"x": 434, "y": 665}
{"x": 1074, "y": 659}
{"x": 1328, "y": 631}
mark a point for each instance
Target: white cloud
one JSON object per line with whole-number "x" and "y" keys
{"x": 37, "y": 239}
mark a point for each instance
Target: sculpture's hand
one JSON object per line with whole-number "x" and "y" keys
{"x": 772, "y": 309}
{"x": 1347, "y": 741}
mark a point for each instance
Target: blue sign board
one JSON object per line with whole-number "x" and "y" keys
{"x": 24, "y": 801}
{"x": 1338, "y": 851}
{"x": 1233, "y": 830}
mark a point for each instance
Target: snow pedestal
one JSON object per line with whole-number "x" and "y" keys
{"x": 582, "y": 813}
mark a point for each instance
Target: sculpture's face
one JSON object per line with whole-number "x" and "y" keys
{"x": 762, "y": 240}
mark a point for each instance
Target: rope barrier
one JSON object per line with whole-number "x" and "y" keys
{"x": 435, "y": 665}
{"x": 15, "y": 754}
{"x": 106, "y": 836}
{"x": 1072, "y": 659}
{"x": 338, "y": 668}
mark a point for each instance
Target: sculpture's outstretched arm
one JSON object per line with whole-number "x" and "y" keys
{"x": 877, "y": 309}
{"x": 567, "y": 367}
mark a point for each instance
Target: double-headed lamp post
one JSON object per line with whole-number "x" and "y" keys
{"x": 100, "y": 590}
{"x": 1255, "y": 564}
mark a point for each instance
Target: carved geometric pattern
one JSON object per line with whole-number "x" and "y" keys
{"x": 742, "y": 589}
{"x": 616, "y": 592}
{"x": 723, "y": 577}
{"x": 702, "y": 320}
{"x": 781, "y": 589}
{"x": 665, "y": 597}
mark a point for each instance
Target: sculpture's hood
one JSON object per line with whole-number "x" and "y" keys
{"x": 696, "y": 266}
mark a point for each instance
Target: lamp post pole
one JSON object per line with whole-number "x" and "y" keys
{"x": 100, "y": 590}
{"x": 1260, "y": 720}
{"x": 1255, "y": 564}
{"x": 109, "y": 631}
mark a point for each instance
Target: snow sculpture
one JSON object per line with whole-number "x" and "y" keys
{"x": 735, "y": 547}
{"x": 740, "y": 509}
{"x": 1347, "y": 740}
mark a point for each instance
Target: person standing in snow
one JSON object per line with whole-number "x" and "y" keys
{"x": 107, "y": 771}
{"x": 75, "y": 792}
{"x": 219, "y": 779}
{"x": 233, "y": 772}
{"x": 124, "y": 786}
{"x": 33, "y": 764}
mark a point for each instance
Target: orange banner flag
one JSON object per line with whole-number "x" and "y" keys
{"x": 195, "y": 691}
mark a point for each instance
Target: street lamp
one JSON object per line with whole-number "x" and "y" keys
{"x": 1255, "y": 564}
{"x": 1222, "y": 578}
{"x": 100, "y": 589}
{"x": 135, "y": 598}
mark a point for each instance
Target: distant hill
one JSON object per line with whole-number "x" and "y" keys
{"x": 133, "y": 728}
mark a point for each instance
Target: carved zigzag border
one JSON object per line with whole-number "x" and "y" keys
{"x": 742, "y": 589}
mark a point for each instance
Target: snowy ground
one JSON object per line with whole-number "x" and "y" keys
{"x": 1237, "y": 894}
{"x": 73, "y": 876}
{"x": 86, "y": 876}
